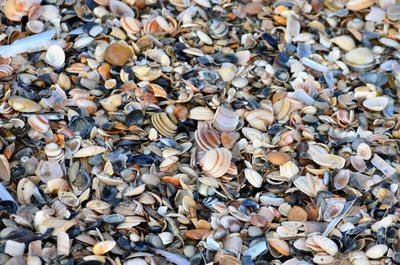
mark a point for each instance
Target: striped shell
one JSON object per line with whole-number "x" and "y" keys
{"x": 54, "y": 152}
{"x": 165, "y": 124}
{"x": 6, "y": 71}
{"x": 207, "y": 138}
{"x": 225, "y": 120}
{"x": 39, "y": 123}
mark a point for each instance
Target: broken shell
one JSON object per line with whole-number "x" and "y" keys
{"x": 260, "y": 119}
{"x": 131, "y": 25}
{"x": 111, "y": 103}
{"x": 55, "y": 56}
{"x": 68, "y": 198}
{"x": 344, "y": 42}
{"x": 89, "y": 151}
{"x": 330, "y": 161}
{"x": 145, "y": 73}
{"x": 332, "y": 211}
{"x": 165, "y": 124}
{"x": 341, "y": 179}
{"x": 225, "y": 120}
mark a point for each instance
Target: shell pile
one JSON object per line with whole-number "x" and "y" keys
{"x": 250, "y": 132}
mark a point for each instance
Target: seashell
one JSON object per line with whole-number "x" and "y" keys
{"x": 103, "y": 247}
{"x": 218, "y": 29}
{"x": 332, "y": 211}
{"x": 54, "y": 152}
{"x": 253, "y": 177}
{"x": 358, "y": 163}
{"x": 225, "y": 120}
{"x": 82, "y": 42}
{"x": 216, "y": 162}
{"x": 227, "y": 71}
{"x": 165, "y": 124}
{"x": 6, "y": 70}
{"x": 15, "y": 10}
{"x": 131, "y": 25}
{"x": 323, "y": 258}
{"x": 35, "y": 26}
{"x": 330, "y": 161}
{"x": 376, "y": 103}
{"x": 111, "y": 103}
{"x": 207, "y": 138}
{"x": 279, "y": 245}
{"x": 296, "y": 213}
{"x": 364, "y": 151}
{"x": 114, "y": 218}
{"x": 89, "y": 151}
{"x": 160, "y": 24}
{"x": 228, "y": 260}
{"x": 25, "y": 190}
{"x": 341, "y": 179}
{"x": 196, "y": 234}
{"x": 72, "y": 146}
{"x": 48, "y": 170}
{"x": 309, "y": 185}
{"x": 344, "y": 42}
{"x": 281, "y": 108}
{"x": 22, "y": 104}
{"x": 118, "y": 54}
{"x": 14, "y": 248}
{"x": 255, "y": 250}
{"x": 278, "y": 158}
{"x": 55, "y": 56}
{"x": 68, "y": 198}
{"x": 230, "y": 223}
{"x": 5, "y": 173}
{"x": 377, "y": 251}
{"x": 289, "y": 170}
{"x": 121, "y": 9}
{"x": 260, "y": 119}
{"x": 393, "y": 12}
{"x": 357, "y": 5}
{"x": 146, "y": 73}
{"x": 204, "y": 37}
{"x": 324, "y": 243}
{"x": 382, "y": 165}
{"x": 87, "y": 104}
{"x": 201, "y": 114}
{"x": 360, "y": 59}
{"x": 63, "y": 244}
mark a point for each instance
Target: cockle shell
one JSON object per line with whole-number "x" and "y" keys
{"x": 165, "y": 124}
{"x": 216, "y": 162}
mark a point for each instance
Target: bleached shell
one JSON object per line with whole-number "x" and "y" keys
{"x": 332, "y": 211}
{"x": 201, "y": 114}
{"x": 216, "y": 162}
{"x": 35, "y": 26}
{"x": 341, "y": 179}
{"x": 63, "y": 244}
{"x": 68, "y": 198}
{"x": 330, "y": 161}
{"x": 227, "y": 71}
{"x": 253, "y": 177}
{"x": 323, "y": 258}
{"x": 23, "y": 104}
{"x": 54, "y": 152}
{"x": 357, "y": 5}
{"x": 82, "y": 42}
{"x": 48, "y": 170}
{"x": 376, "y": 103}
{"x": 259, "y": 119}
{"x": 103, "y": 247}
{"x": 146, "y": 73}
{"x": 377, "y": 251}
{"x": 111, "y": 103}
{"x": 359, "y": 58}
{"x": 14, "y": 248}
{"x": 204, "y": 37}
{"x": 364, "y": 151}
{"x": 289, "y": 169}
{"x": 98, "y": 205}
{"x": 25, "y": 191}
{"x": 89, "y": 151}
{"x": 165, "y": 124}
{"x": 166, "y": 237}
{"x": 344, "y": 42}
{"x": 358, "y": 163}
{"x": 326, "y": 244}
{"x": 55, "y": 56}
{"x": 119, "y": 8}
{"x": 225, "y": 120}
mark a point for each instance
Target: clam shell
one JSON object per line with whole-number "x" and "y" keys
{"x": 25, "y": 191}
{"x": 35, "y": 26}
{"x": 5, "y": 173}
{"x": 55, "y": 56}
{"x": 364, "y": 151}
{"x": 279, "y": 245}
{"x": 341, "y": 179}
{"x": 87, "y": 104}
{"x": 68, "y": 198}
{"x": 376, "y": 103}
{"x": 253, "y": 177}
{"x": 357, "y": 5}
{"x": 14, "y": 248}
{"x": 54, "y": 152}
{"x": 330, "y": 161}
{"x": 326, "y": 244}
{"x": 332, "y": 211}
{"x": 117, "y": 54}
{"x": 103, "y": 247}
{"x": 260, "y": 119}
{"x": 119, "y": 8}
{"x": 216, "y": 162}
{"x": 358, "y": 163}
{"x": 22, "y": 104}
{"x": 201, "y": 114}
{"x": 90, "y": 151}
{"x": 377, "y": 251}
{"x": 207, "y": 138}
{"x": 230, "y": 223}
{"x": 225, "y": 120}
{"x": 227, "y": 71}
{"x": 360, "y": 59}
{"x": 6, "y": 70}
{"x": 204, "y": 37}
{"x": 48, "y": 170}
{"x": 63, "y": 244}
{"x": 289, "y": 170}
{"x": 278, "y": 158}
{"x": 131, "y": 25}
{"x": 146, "y": 73}
{"x": 323, "y": 258}
{"x": 218, "y": 29}
{"x": 111, "y": 103}
{"x": 165, "y": 124}
{"x": 344, "y": 42}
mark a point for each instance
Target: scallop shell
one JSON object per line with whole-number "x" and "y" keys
{"x": 55, "y": 56}
{"x": 207, "y": 138}
{"x": 225, "y": 120}
{"x": 54, "y": 152}
{"x": 260, "y": 119}
{"x": 165, "y": 124}
{"x": 253, "y": 177}
{"x": 216, "y": 162}
{"x": 6, "y": 70}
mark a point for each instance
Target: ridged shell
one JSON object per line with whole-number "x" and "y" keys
{"x": 54, "y": 152}
{"x": 207, "y": 138}
{"x": 6, "y": 70}
{"x": 218, "y": 29}
{"x": 216, "y": 162}
{"x": 225, "y": 120}
{"x": 165, "y": 124}
{"x": 39, "y": 123}
{"x": 201, "y": 114}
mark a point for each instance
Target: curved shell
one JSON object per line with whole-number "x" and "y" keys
{"x": 207, "y": 138}
{"x": 278, "y": 158}
{"x": 341, "y": 179}
{"x": 332, "y": 211}
{"x": 260, "y": 119}
{"x": 376, "y": 103}
{"x": 131, "y": 25}
{"x": 218, "y": 29}
{"x": 225, "y": 120}
{"x": 253, "y": 177}
{"x": 68, "y": 198}
{"x": 54, "y": 152}
{"x": 16, "y": 9}
{"x": 165, "y": 124}
{"x": 330, "y": 161}
{"x": 216, "y": 162}
{"x": 48, "y": 170}
{"x": 39, "y": 123}
{"x": 6, "y": 70}
{"x": 55, "y": 56}
{"x": 103, "y": 247}
{"x": 5, "y": 173}
{"x": 326, "y": 244}
{"x": 25, "y": 191}
{"x": 22, "y": 104}
{"x": 357, "y": 5}
{"x": 279, "y": 245}
{"x": 160, "y": 24}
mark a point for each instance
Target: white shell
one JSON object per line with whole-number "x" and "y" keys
{"x": 55, "y": 56}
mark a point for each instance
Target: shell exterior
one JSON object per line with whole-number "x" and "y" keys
{"x": 5, "y": 173}
{"x": 16, "y": 9}
{"x": 165, "y": 124}
{"x": 279, "y": 245}
{"x": 207, "y": 138}
{"x": 260, "y": 119}
{"x": 6, "y": 70}
{"x": 55, "y": 56}
{"x": 225, "y": 120}
{"x": 54, "y": 152}
{"x": 103, "y": 247}
{"x": 216, "y": 162}
{"x": 253, "y": 177}
{"x": 131, "y": 25}
{"x": 22, "y": 104}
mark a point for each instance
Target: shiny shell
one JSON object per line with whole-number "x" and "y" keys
{"x": 55, "y": 56}
{"x": 279, "y": 245}
{"x": 54, "y": 152}
{"x": 278, "y": 158}
{"x": 207, "y": 138}
{"x": 330, "y": 161}
{"x": 260, "y": 119}
{"x": 360, "y": 59}
{"x": 117, "y": 54}
{"x": 253, "y": 177}
{"x": 364, "y": 151}
{"x": 377, "y": 251}
{"x": 376, "y": 103}
{"x": 39, "y": 123}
